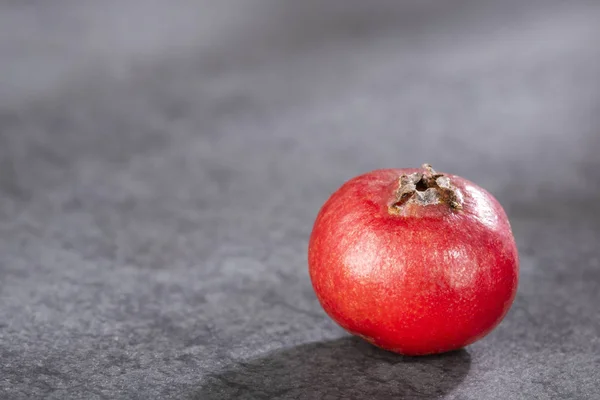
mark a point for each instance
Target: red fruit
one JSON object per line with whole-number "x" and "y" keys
{"x": 414, "y": 261}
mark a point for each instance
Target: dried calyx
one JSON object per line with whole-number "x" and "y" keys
{"x": 425, "y": 188}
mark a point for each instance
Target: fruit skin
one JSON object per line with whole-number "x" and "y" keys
{"x": 414, "y": 278}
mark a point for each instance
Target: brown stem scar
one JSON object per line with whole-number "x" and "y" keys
{"x": 426, "y": 187}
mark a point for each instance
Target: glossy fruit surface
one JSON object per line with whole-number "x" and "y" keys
{"x": 414, "y": 261}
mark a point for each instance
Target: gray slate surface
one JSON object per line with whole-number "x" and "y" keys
{"x": 161, "y": 167}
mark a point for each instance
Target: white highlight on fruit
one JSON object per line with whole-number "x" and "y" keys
{"x": 485, "y": 210}
{"x": 362, "y": 256}
{"x": 464, "y": 270}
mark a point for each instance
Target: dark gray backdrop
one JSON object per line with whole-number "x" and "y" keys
{"x": 161, "y": 164}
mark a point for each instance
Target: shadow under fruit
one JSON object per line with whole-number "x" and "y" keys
{"x": 345, "y": 368}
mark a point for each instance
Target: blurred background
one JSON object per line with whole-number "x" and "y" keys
{"x": 162, "y": 163}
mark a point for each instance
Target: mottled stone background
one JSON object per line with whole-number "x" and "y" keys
{"x": 162, "y": 162}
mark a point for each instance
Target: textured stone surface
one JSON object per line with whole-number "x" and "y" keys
{"x": 161, "y": 167}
